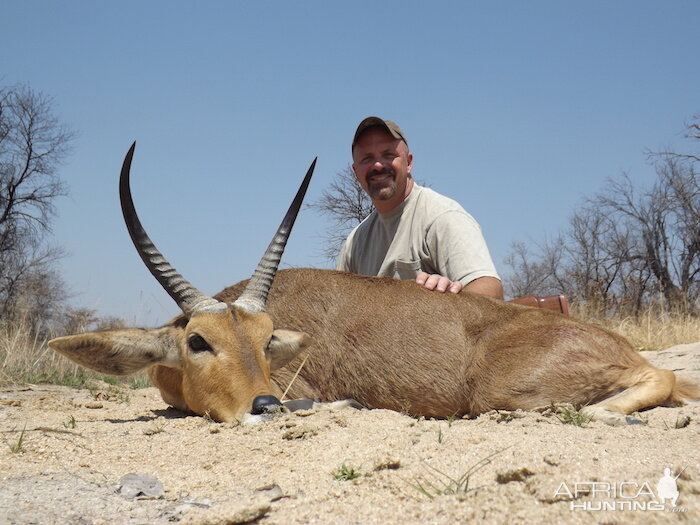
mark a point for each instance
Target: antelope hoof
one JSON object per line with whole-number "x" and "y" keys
{"x": 610, "y": 417}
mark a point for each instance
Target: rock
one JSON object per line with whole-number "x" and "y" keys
{"x": 141, "y": 486}
{"x": 273, "y": 492}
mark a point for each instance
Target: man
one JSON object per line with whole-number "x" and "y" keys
{"x": 413, "y": 232}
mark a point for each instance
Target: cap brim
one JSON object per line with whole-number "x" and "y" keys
{"x": 371, "y": 122}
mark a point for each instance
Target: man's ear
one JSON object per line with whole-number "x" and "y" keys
{"x": 121, "y": 352}
{"x": 284, "y": 346}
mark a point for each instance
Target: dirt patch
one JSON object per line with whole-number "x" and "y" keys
{"x": 64, "y": 452}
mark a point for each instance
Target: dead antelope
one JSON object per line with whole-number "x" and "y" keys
{"x": 385, "y": 343}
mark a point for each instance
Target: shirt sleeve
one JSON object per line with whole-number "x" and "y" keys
{"x": 344, "y": 262}
{"x": 457, "y": 248}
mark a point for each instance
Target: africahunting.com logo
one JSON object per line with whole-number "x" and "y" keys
{"x": 625, "y": 495}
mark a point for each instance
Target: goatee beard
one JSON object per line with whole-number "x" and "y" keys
{"x": 383, "y": 191}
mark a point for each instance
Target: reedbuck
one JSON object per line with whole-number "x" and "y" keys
{"x": 383, "y": 342}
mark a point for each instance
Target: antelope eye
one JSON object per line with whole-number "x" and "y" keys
{"x": 198, "y": 344}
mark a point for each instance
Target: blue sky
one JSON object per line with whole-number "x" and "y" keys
{"x": 515, "y": 109}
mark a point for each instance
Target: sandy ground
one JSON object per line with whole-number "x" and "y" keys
{"x": 65, "y": 451}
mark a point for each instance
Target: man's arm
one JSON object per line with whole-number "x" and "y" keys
{"x": 489, "y": 286}
{"x": 459, "y": 254}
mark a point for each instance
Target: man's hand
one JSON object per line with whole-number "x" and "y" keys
{"x": 489, "y": 286}
{"x": 438, "y": 283}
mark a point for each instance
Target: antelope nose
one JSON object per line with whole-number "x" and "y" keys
{"x": 262, "y": 404}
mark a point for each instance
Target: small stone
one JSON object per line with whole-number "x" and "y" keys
{"x": 273, "y": 492}
{"x": 93, "y": 404}
{"x": 142, "y": 486}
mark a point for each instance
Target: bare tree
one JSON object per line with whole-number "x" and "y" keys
{"x": 346, "y": 204}
{"x": 533, "y": 274}
{"x": 627, "y": 246}
{"x": 667, "y": 218}
{"x": 33, "y": 144}
{"x": 692, "y": 131}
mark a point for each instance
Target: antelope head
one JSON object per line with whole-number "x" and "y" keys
{"x": 216, "y": 359}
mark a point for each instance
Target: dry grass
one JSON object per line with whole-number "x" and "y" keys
{"x": 25, "y": 358}
{"x": 655, "y": 329}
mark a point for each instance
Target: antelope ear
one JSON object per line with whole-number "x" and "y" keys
{"x": 121, "y": 352}
{"x": 284, "y": 346}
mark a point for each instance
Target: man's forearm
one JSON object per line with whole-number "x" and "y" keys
{"x": 489, "y": 286}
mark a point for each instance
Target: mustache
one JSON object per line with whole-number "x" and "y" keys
{"x": 383, "y": 171}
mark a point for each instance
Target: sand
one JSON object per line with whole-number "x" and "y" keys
{"x": 65, "y": 451}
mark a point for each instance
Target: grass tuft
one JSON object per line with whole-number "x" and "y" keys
{"x": 18, "y": 446}
{"x": 139, "y": 381}
{"x": 571, "y": 416}
{"x": 681, "y": 422}
{"x": 441, "y": 484}
{"x": 440, "y": 436}
{"x": 346, "y": 473}
{"x": 155, "y": 429}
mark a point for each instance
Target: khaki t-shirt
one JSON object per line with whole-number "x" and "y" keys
{"x": 427, "y": 232}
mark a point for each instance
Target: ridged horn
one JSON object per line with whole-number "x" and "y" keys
{"x": 188, "y": 298}
{"x": 254, "y": 297}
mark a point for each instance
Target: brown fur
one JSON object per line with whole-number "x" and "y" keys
{"x": 392, "y": 344}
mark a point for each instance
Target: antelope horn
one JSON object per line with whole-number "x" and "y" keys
{"x": 254, "y": 296}
{"x": 188, "y": 298}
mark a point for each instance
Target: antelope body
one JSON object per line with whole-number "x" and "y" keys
{"x": 383, "y": 342}
{"x": 392, "y": 344}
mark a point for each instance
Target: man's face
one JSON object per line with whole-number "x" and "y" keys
{"x": 382, "y": 165}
